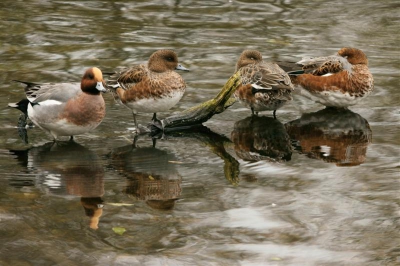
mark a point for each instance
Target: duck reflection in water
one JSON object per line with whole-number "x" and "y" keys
{"x": 214, "y": 141}
{"x": 151, "y": 175}
{"x": 258, "y": 138}
{"x": 68, "y": 168}
{"x": 333, "y": 135}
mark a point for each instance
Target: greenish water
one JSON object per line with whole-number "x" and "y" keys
{"x": 325, "y": 192}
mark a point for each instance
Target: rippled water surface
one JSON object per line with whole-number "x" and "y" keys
{"x": 315, "y": 187}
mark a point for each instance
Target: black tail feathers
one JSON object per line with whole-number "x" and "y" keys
{"x": 295, "y": 73}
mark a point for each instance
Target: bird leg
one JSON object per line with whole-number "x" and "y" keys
{"x": 135, "y": 138}
{"x": 157, "y": 122}
{"x": 136, "y": 131}
{"x": 154, "y": 117}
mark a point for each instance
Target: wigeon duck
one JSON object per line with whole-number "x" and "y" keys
{"x": 65, "y": 109}
{"x": 265, "y": 86}
{"x": 150, "y": 88}
{"x": 339, "y": 80}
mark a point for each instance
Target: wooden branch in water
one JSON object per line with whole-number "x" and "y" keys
{"x": 201, "y": 113}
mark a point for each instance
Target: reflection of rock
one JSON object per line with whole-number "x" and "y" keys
{"x": 259, "y": 138}
{"x": 72, "y": 165}
{"x": 151, "y": 175}
{"x": 333, "y": 135}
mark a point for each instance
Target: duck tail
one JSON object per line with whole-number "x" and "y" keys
{"x": 295, "y": 73}
{"x": 29, "y": 84}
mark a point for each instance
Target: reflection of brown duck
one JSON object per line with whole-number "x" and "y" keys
{"x": 333, "y": 135}
{"x": 94, "y": 209}
{"x": 70, "y": 165}
{"x": 261, "y": 138}
{"x": 151, "y": 175}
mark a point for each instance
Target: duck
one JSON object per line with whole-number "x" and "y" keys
{"x": 65, "y": 109}
{"x": 339, "y": 80}
{"x": 265, "y": 86}
{"x": 149, "y": 88}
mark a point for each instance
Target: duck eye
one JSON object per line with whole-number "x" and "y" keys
{"x": 170, "y": 59}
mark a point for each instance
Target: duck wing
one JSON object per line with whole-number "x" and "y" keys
{"x": 60, "y": 92}
{"x": 127, "y": 77}
{"x": 320, "y": 66}
{"x": 266, "y": 76}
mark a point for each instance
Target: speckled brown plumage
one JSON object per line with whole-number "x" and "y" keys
{"x": 265, "y": 86}
{"x": 155, "y": 79}
{"x": 150, "y": 88}
{"x": 348, "y": 79}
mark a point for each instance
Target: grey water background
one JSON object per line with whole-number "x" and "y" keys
{"x": 327, "y": 194}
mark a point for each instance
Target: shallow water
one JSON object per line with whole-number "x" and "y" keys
{"x": 316, "y": 187}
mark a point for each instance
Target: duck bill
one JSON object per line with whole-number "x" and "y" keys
{"x": 100, "y": 87}
{"x": 180, "y": 67}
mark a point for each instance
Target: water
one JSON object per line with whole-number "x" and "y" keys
{"x": 326, "y": 194}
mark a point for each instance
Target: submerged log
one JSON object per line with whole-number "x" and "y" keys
{"x": 200, "y": 113}
{"x": 216, "y": 143}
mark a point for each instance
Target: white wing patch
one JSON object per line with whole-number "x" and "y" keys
{"x": 258, "y": 87}
{"x": 50, "y": 103}
{"x": 327, "y": 75}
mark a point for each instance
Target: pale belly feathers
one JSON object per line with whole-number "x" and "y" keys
{"x": 155, "y": 105}
{"x": 331, "y": 98}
